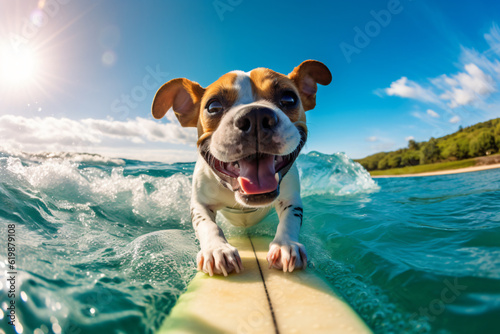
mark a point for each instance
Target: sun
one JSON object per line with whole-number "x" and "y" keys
{"x": 18, "y": 67}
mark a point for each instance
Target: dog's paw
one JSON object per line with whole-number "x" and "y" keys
{"x": 287, "y": 256}
{"x": 221, "y": 259}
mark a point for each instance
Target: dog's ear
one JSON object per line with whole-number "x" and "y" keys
{"x": 306, "y": 76}
{"x": 183, "y": 96}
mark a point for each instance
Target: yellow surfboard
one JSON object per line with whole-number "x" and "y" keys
{"x": 261, "y": 300}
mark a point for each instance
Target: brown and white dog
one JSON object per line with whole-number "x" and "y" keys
{"x": 251, "y": 128}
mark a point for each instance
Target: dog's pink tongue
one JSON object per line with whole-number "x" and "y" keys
{"x": 257, "y": 176}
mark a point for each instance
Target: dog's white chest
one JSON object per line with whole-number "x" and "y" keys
{"x": 244, "y": 217}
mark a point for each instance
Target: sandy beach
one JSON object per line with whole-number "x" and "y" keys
{"x": 444, "y": 172}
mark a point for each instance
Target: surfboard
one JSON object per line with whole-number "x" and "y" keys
{"x": 261, "y": 300}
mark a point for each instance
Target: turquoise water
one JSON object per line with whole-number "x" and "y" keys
{"x": 106, "y": 245}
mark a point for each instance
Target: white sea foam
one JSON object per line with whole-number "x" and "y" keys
{"x": 155, "y": 199}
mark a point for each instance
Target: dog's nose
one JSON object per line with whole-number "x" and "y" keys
{"x": 257, "y": 119}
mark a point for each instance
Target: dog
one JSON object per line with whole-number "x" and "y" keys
{"x": 251, "y": 128}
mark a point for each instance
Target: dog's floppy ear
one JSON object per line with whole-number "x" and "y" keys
{"x": 183, "y": 96}
{"x": 306, "y": 76}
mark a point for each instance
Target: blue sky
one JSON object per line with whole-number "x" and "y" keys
{"x": 85, "y": 72}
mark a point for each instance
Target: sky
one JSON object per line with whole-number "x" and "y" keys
{"x": 81, "y": 75}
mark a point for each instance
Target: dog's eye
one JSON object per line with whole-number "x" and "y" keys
{"x": 214, "y": 107}
{"x": 288, "y": 100}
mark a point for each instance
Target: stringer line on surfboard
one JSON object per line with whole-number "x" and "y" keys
{"x": 265, "y": 287}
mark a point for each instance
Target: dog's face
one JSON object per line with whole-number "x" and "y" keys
{"x": 251, "y": 126}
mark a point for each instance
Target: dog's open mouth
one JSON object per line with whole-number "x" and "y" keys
{"x": 257, "y": 173}
{"x": 257, "y": 176}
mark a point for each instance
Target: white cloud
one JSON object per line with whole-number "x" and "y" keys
{"x": 467, "y": 87}
{"x": 486, "y": 60}
{"x": 475, "y": 82}
{"x": 372, "y": 139}
{"x": 493, "y": 38}
{"x": 139, "y": 137}
{"x": 409, "y": 138}
{"x": 417, "y": 114}
{"x": 455, "y": 119}
{"x": 432, "y": 113}
{"x": 142, "y": 129}
{"x": 45, "y": 131}
{"x": 410, "y": 89}
{"x": 463, "y": 88}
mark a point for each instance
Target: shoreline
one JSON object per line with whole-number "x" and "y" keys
{"x": 443, "y": 172}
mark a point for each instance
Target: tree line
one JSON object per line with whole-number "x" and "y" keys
{"x": 474, "y": 141}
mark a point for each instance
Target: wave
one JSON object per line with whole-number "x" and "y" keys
{"x": 334, "y": 174}
{"x": 320, "y": 173}
{"x": 88, "y": 158}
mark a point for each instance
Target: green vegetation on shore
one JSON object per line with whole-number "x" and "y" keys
{"x": 426, "y": 168}
{"x": 448, "y": 152}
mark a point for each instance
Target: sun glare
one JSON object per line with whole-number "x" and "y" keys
{"x": 17, "y": 67}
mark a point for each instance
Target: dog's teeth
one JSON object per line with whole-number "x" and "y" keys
{"x": 236, "y": 164}
{"x": 277, "y": 177}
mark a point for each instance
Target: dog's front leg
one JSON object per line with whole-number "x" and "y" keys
{"x": 285, "y": 251}
{"x": 216, "y": 256}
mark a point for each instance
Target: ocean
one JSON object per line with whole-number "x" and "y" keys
{"x": 105, "y": 245}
